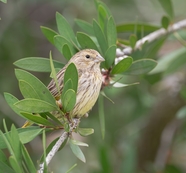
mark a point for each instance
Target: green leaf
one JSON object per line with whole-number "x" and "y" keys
{"x": 103, "y": 94}
{"x": 6, "y": 168}
{"x": 68, "y": 85}
{"x": 60, "y": 41}
{"x": 65, "y": 29}
{"x": 102, "y": 16}
{"x": 138, "y": 27}
{"x": 69, "y": 100}
{"x": 28, "y": 162}
{"x": 27, "y": 90}
{"x": 16, "y": 144}
{"x": 85, "y": 41}
{"x": 3, "y": 157}
{"x": 77, "y": 152}
{"x": 25, "y": 135}
{"x": 110, "y": 56}
{"x": 111, "y": 32}
{"x": 32, "y": 105}
{"x": 181, "y": 113}
{"x": 122, "y": 66}
{"x": 69, "y": 170}
{"x": 165, "y": 22}
{"x": 100, "y": 36}
{"x": 85, "y": 26}
{"x": 85, "y": 131}
{"x": 53, "y": 73}
{"x": 142, "y": 66}
{"x": 66, "y": 51}
{"x": 71, "y": 69}
{"x": 15, "y": 165}
{"x": 52, "y": 117}
{"x": 79, "y": 143}
{"x": 167, "y": 6}
{"x": 121, "y": 85}
{"x": 101, "y": 115}
{"x": 11, "y": 100}
{"x": 4, "y": 1}
{"x": 49, "y": 33}
{"x": 37, "y": 64}
{"x": 42, "y": 91}
{"x": 165, "y": 62}
{"x": 29, "y": 133}
{"x": 133, "y": 40}
{"x": 37, "y": 119}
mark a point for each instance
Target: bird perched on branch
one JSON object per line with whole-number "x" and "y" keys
{"x": 87, "y": 62}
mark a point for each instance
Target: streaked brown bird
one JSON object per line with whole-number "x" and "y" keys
{"x": 87, "y": 62}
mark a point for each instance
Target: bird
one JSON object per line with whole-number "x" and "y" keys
{"x": 90, "y": 80}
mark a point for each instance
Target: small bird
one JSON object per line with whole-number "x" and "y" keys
{"x": 87, "y": 62}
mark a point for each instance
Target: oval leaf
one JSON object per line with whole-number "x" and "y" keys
{"x": 75, "y": 142}
{"x": 37, "y": 64}
{"x": 65, "y": 29}
{"x": 77, "y": 152}
{"x": 35, "y": 106}
{"x": 49, "y": 33}
{"x": 71, "y": 69}
{"x": 165, "y": 22}
{"x": 110, "y": 56}
{"x": 37, "y": 85}
{"x": 141, "y": 67}
{"x": 122, "y": 66}
{"x": 111, "y": 32}
{"x": 85, "y": 131}
{"x": 66, "y": 52}
{"x": 100, "y": 36}
{"x": 27, "y": 90}
{"x": 85, "y": 41}
{"x": 69, "y": 100}
{"x": 87, "y": 27}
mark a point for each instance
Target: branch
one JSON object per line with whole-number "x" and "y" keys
{"x": 151, "y": 37}
{"x": 60, "y": 141}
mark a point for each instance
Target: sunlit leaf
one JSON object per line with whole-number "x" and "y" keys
{"x": 37, "y": 64}
{"x": 122, "y": 66}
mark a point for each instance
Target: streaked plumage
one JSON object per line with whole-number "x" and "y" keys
{"x": 87, "y": 63}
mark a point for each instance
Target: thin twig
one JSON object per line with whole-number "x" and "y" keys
{"x": 60, "y": 141}
{"x": 153, "y": 36}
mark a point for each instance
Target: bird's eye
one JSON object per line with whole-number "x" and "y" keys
{"x": 87, "y": 56}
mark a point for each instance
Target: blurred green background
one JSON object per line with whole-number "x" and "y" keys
{"x": 143, "y": 133}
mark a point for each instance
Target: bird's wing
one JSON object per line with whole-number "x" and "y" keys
{"x": 52, "y": 85}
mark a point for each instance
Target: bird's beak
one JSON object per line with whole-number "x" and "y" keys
{"x": 99, "y": 58}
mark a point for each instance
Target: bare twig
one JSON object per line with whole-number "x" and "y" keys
{"x": 60, "y": 141}
{"x": 152, "y": 36}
